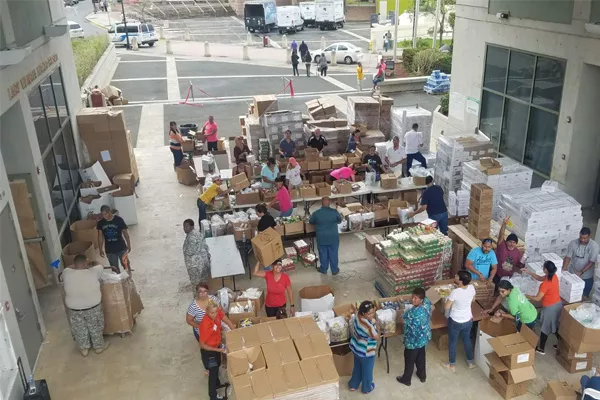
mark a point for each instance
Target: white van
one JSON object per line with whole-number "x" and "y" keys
{"x": 144, "y": 33}
{"x": 308, "y": 11}
{"x": 289, "y": 19}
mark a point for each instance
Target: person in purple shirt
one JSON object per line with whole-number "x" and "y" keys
{"x": 294, "y": 45}
{"x": 507, "y": 254}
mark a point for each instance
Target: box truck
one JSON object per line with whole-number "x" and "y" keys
{"x": 308, "y": 10}
{"x": 330, "y": 14}
{"x": 260, "y": 15}
{"x": 289, "y": 19}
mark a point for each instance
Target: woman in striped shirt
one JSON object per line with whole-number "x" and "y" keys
{"x": 363, "y": 344}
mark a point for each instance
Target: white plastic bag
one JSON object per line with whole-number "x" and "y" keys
{"x": 354, "y": 222}
{"x": 338, "y": 330}
{"x": 370, "y": 178}
{"x": 386, "y": 320}
{"x": 403, "y": 213}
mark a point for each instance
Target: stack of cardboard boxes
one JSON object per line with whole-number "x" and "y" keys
{"x": 385, "y": 116}
{"x": 334, "y": 130}
{"x": 403, "y": 119}
{"x": 318, "y": 109}
{"x": 363, "y": 110}
{"x": 571, "y": 360}
{"x": 577, "y": 342}
{"x": 480, "y": 210}
{"x": 276, "y": 123}
{"x": 511, "y": 362}
{"x": 252, "y": 129}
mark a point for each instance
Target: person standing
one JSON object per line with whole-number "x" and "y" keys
{"x": 303, "y": 49}
{"x": 210, "y": 346}
{"x": 432, "y": 200}
{"x": 269, "y": 173}
{"x": 581, "y": 259}
{"x": 359, "y": 75}
{"x": 549, "y": 295}
{"x": 386, "y": 41}
{"x": 287, "y": 146}
{"x": 113, "y": 238}
{"x": 520, "y": 308}
{"x": 417, "y": 333}
{"x": 507, "y": 253}
{"x": 293, "y": 174}
{"x": 208, "y": 196}
{"x": 395, "y": 157}
{"x": 175, "y": 143}
{"x": 413, "y": 141}
{"x": 241, "y": 149}
{"x": 353, "y": 141}
{"x": 482, "y": 262}
{"x": 307, "y": 58}
{"x": 195, "y": 254}
{"x": 210, "y": 130}
{"x": 266, "y": 220}
{"x": 317, "y": 141}
{"x": 295, "y": 61}
{"x": 373, "y": 162}
{"x": 363, "y": 343}
{"x": 294, "y": 46}
{"x": 323, "y": 65}
{"x": 460, "y": 319}
{"x": 282, "y": 200}
{"x": 326, "y": 220}
{"x": 278, "y": 286}
{"x": 83, "y": 298}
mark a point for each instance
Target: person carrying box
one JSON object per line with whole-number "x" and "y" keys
{"x": 208, "y": 196}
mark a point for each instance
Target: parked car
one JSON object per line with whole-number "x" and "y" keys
{"x": 75, "y": 30}
{"x": 144, "y": 33}
{"x": 344, "y": 52}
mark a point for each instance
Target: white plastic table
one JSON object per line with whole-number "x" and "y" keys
{"x": 226, "y": 260}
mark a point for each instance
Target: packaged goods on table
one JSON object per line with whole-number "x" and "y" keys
{"x": 355, "y": 222}
{"x": 386, "y": 320}
{"x": 309, "y": 260}
{"x": 368, "y": 220}
{"x": 325, "y": 315}
{"x": 526, "y": 284}
{"x": 241, "y": 307}
{"x": 301, "y": 247}
{"x": 571, "y": 287}
{"x": 218, "y": 226}
{"x": 251, "y": 294}
{"x": 291, "y": 253}
{"x": 338, "y": 330}
{"x": 287, "y": 265}
{"x": 245, "y": 323}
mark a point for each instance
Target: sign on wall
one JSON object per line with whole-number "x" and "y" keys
{"x": 472, "y": 106}
{"x": 26, "y": 80}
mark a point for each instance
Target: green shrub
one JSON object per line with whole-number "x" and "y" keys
{"x": 422, "y": 43}
{"x": 425, "y": 61}
{"x": 87, "y": 51}
{"x": 408, "y": 56}
{"x": 444, "y": 102}
{"x": 444, "y": 64}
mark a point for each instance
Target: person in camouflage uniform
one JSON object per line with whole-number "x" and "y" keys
{"x": 195, "y": 254}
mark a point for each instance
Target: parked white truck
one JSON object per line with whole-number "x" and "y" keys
{"x": 260, "y": 15}
{"x": 308, "y": 10}
{"x": 289, "y": 19}
{"x": 330, "y": 14}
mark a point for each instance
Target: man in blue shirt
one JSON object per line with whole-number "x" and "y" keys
{"x": 326, "y": 220}
{"x": 287, "y": 145}
{"x": 433, "y": 201}
{"x": 590, "y": 383}
{"x": 482, "y": 262}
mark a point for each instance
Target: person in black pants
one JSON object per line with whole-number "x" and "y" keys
{"x": 278, "y": 286}
{"x": 295, "y": 61}
{"x": 211, "y": 347}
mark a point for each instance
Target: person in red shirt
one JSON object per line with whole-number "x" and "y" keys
{"x": 549, "y": 296}
{"x": 210, "y": 346}
{"x": 210, "y": 130}
{"x": 282, "y": 199}
{"x": 508, "y": 255}
{"x": 278, "y": 284}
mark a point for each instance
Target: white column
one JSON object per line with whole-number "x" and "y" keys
{"x": 396, "y": 29}
{"x": 333, "y": 58}
{"x": 206, "y": 49}
{"x": 169, "y": 49}
{"x": 245, "y": 52}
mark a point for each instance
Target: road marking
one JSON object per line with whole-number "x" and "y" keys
{"x": 141, "y": 61}
{"x": 364, "y": 39}
{"x": 339, "y": 84}
{"x": 172, "y": 81}
{"x": 151, "y": 133}
{"x": 139, "y": 79}
{"x": 246, "y": 76}
{"x": 233, "y": 17}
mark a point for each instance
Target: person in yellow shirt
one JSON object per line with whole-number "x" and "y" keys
{"x": 208, "y": 196}
{"x": 359, "y": 76}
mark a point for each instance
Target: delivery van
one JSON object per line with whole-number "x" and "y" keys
{"x": 308, "y": 10}
{"x": 289, "y": 19}
{"x": 144, "y": 33}
{"x": 330, "y": 14}
{"x": 260, "y": 15}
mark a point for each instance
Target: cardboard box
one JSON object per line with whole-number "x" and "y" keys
{"x": 319, "y": 371}
{"x": 574, "y": 365}
{"x": 337, "y": 161}
{"x": 490, "y": 166}
{"x": 516, "y": 350}
{"x": 258, "y": 303}
{"x": 84, "y": 231}
{"x": 380, "y": 210}
{"x": 243, "y": 361}
{"x": 559, "y": 390}
{"x": 394, "y": 204}
{"x": 567, "y": 352}
{"x": 310, "y": 346}
{"x": 502, "y": 328}
{"x": 370, "y": 242}
{"x": 265, "y": 103}
{"x": 280, "y": 352}
{"x": 309, "y": 228}
{"x": 239, "y": 339}
{"x": 311, "y": 154}
{"x": 324, "y": 163}
{"x": 352, "y": 158}
{"x": 120, "y": 303}
{"x": 577, "y": 336}
{"x": 355, "y": 207}
{"x": 343, "y": 187}
{"x": 308, "y": 191}
{"x": 267, "y": 195}
{"x": 343, "y": 359}
{"x": 481, "y": 192}
{"x": 419, "y": 180}
{"x": 389, "y": 181}
{"x": 411, "y": 197}
{"x": 317, "y": 179}
{"x": 316, "y": 298}
{"x": 323, "y": 189}
{"x": 125, "y": 181}
{"x": 71, "y": 250}
{"x": 279, "y": 229}
{"x": 505, "y": 390}
{"x": 186, "y": 176}
{"x": 312, "y": 165}
{"x": 294, "y": 228}
{"x": 242, "y": 228}
{"x": 247, "y": 198}
{"x": 188, "y": 145}
{"x": 267, "y": 246}
{"x": 440, "y": 338}
{"x": 239, "y": 182}
{"x": 237, "y": 317}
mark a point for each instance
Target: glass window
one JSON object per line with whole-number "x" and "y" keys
{"x": 491, "y": 117}
{"x": 39, "y": 119}
{"x": 59, "y": 96}
{"x": 64, "y": 173}
{"x": 144, "y": 28}
{"x": 330, "y": 48}
{"x": 50, "y": 106}
{"x": 541, "y": 137}
{"x": 520, "y": 75}
{"x": 151, "y": 27}
{"x": 74, "y": 26}
{"x": 496, "y": 62}
{"x": 342, "y": 47}
{"x": 549, "y": 78}
{"x": 514, "y": 129}
{"x": 71, "y": 156}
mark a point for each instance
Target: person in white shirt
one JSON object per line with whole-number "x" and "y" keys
{"x": 395, "y": 157}
{"x": 293, "y": 174}
{"x": 460, "y": 320}
{"x": 413, "y": 141}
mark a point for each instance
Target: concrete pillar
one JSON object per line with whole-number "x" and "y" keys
{"x": 187, "y": 37}
{"x": 248, "y": 38}
{"x": 284, "y": 41}
{"x": 134, "y": 44}
{"x": 245, "y": 52}
{"x": 323, "y": 42}
{"x": 288, "y": 56}
{"x": 169, "y": 49}
{"x": 333, "y": 58}
{"x": 161, "y": 33}
{"x": 206, "y": 49}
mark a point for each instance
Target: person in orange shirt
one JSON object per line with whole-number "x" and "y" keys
{"x": 210, "y": 130}
{"x": 549, "y": 296}
{"x": 210, "y": 346}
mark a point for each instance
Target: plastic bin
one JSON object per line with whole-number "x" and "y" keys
{"x": 185, "y": 128}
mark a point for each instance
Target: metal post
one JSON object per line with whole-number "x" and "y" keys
{"x": 245, "y": 52}
{"x": 248, "y": 38}
{"x": 416, "y": 24}
{"x": 125, "y": 24}
{"x": 396, "y": 29}
{"x": 169, "y": 50}
{"x": 284, "y": 41}
{"x": 206, "y": 49}
{"x": 288, "y": 56}
{"x": 438, "y": 5}
{"x": 333, "y": 58}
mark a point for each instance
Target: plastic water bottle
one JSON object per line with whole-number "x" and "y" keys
{"x": 31, "y": 384}
{"x": 244, "y": 236}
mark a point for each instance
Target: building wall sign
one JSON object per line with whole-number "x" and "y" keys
{"x": 31, "y": 76}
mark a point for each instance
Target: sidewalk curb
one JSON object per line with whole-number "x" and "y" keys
{"x": 93, "y": 22}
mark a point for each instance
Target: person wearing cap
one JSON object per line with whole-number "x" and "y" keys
{"x": 482, "y": 262}
{"x": 432, "y": 200}
{"x": 317, "y": 141}
{"x": 347, "y": 173}
{"x": 326, "y": 220}
{"x": 293, "y": 174}
{"x": 507, "y": 253}
{"x": 208, "y": 196}
{"x": 287, "y": 146}
{"x": 581, "y": 257}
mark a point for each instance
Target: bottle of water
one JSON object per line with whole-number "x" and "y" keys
{"x": 244, "y": 236}
{"x": 31, "y": 384}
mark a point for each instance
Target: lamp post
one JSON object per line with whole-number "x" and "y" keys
{"x": 125, "y": 23}
{"x": 396, "y": 29}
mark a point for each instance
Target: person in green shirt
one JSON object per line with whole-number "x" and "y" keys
{"x": 519, "y": 307}
{"x": 326, "y": 220}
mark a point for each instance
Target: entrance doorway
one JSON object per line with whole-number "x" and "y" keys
{"x": 18, "y": 287}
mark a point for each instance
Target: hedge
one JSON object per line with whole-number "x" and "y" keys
{"x": 444, "y": 103}
{"x": 87, "y": 51}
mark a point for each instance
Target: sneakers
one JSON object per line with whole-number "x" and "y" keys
{"x": 84, "y": 352}
{"x": 335, "y": 273}
{"x": 539, "y": 351}
{"x": 106, "y": 346}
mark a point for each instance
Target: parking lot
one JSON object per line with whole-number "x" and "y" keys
{"x": 231, "y": 30}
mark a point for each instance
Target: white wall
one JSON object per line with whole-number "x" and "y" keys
{"x": 475, "y": 28}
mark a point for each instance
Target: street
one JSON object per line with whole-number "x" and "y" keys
{"x": 78, "y": 12}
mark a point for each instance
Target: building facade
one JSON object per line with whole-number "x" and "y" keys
{"x": 39, "y": 97}
{"x": 527, "y": 74}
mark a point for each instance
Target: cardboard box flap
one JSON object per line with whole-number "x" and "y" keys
{"x": 529, "y": 335}
{"x": 294, "y": 377}
{"x": 522, "y": 374}
{"x": 309, "y": 326}
{"x": 260, "y": 384}
{"x": 287, "y": 351}
{"x": 311, "y": 372}
{"x": 343, "y": 309}
{"x": 279, "y": 330}
{"x": 235, "y": 340}
{"x": 294, "y": 327}
{"x": 277, "y": 380}
{"x": 433, "y": 295}
{"x": 243, "y": 361}
{"x": 327, "y": 369}
{"x": 271, "y": 353}
{"x": 264, "y": 333}
{"x": 495, "y": 362}
{"x": 514, "y": 343}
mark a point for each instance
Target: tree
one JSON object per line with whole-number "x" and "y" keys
{"x": 429, "y": 6}
{"x": 451, "y": 22}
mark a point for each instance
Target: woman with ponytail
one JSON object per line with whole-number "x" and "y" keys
{"x": 282, "y": 200}
{"x": 549, "y": 296}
